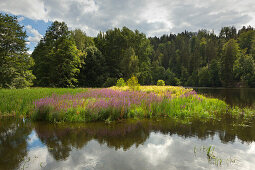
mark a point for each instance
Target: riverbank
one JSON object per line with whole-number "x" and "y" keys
{"x": 115, "y": 103}
{"x": 19, "y": 102}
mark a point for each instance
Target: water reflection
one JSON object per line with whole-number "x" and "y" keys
{"x": 13, "y": 142}
{"x": 242, "y": 97}
{"x": 147, "y": 144}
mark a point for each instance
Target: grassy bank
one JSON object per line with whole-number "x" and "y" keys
{"x": 115, "y": 103}
{"x": 19, "y": 102}
{"x": 118, "y": 103}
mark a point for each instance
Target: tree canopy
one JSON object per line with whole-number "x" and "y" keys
{"x": 66, "y": 58}
{"x": 15, "y": 63}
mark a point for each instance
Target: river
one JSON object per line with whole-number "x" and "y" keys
{"x": 132, "y": 144}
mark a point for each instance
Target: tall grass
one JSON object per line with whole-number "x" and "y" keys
{"x": 86, "y": 105}
{"x": 148, "y": 102}
{"x": 20, "y": 101}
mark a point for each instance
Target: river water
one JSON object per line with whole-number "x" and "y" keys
{"x": 130, "y": 144}
{"x": 242, "y": 97}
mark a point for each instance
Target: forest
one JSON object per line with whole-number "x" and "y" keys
{"x": 70, "y": 58}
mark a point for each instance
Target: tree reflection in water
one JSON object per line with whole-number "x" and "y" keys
{"x": 13, "y": 142}
{"x": 61, "y": 139}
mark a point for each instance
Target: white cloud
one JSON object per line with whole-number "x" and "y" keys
{"x": 30, "y": 9}
{"x": 148, "y": 16}
{"x": 36, "y": 36}
{"x": 21, "y": 19}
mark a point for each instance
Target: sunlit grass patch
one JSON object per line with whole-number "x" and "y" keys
{"x": 117, "y": 103}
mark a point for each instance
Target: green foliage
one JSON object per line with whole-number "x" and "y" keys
{"x": 133, "y": 83}
{"x": 193, "y": 79}
{"x": 186, "y": 107}
{"x": 57, "y": 60}
{"x": 15, "y": 63}
{"x": 110, "y": 82}
{"x": 158, "y": 72}
{"x": 145, "y": 75}
{"x": 171, "y": 79}
{"x": 246, "y": 39}
{"x": 213, "y": 69}
{"x": 244, "y": 69}
{"x": 82, "y": 41}
{"x": 130, "y": 63}
{"x": 160, "y": 83}
{"x": 66, "y": 58}
{"x": 230, "y": 52}
{"x": 92, "y": 73}
{"x": 204, "y": 77}
{"x": 124, "y": 51}
{"x": 120, "y": 82}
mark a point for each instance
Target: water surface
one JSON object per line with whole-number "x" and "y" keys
{"x": 243, "y": 97}
{"x": 131, "y": 144}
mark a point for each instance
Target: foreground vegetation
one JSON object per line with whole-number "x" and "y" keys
{"x": 115, "y": 103}
{"x": 19, "y": 102}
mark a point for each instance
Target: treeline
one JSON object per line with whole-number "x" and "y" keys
{"x": 65, "y": 58}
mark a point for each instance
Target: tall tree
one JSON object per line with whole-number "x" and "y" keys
{"x": 244, "y": 69}
{"x": 114, "y": 45}
{"x": 82, "y": 41}
{"x": 230, "y": 52}
{"x": 92, "y": 73}
{"x": 246, "y": 40}
{"x": 15, "y": 63}
{"x": 57, "y": 60}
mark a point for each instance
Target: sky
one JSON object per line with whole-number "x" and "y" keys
{"x": 152, "y": 17}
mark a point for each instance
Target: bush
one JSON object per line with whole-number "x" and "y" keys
{"x": 110, "y": 82}
{"x": 133, "y": 83}
{"x": 120, "y": 82}
{"x": 160, "y": 83}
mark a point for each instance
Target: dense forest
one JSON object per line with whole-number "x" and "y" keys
{"x": 70, "y": 58}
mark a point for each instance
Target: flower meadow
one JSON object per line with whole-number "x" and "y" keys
{"x": 19, "y": 102}
{"x": 117, "y": 103}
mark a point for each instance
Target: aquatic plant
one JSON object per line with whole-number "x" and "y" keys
{"x": 212, "y": 156}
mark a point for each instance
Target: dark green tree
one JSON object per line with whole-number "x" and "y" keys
{"x": 15, "y": 63}
{"x": 82, "y": 41}
{"x": 204, "y": 77}
{"x": 230, "y": 52}
{"x": 57, "y": 60}
{"x": 145, "y": 75}
{"x": 246, "y": 39}
{"x": 92, "y": 73}
{"x": 244, "y": 70}
{"x": 214, "y": 69}
{"x": 170, "y": 78}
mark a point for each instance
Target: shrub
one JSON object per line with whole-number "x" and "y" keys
{"x": 160, "y": 83}
{"x": 120, "y": 82}
{"x": 133, "y": 83}
{"x": 110, "y": 82}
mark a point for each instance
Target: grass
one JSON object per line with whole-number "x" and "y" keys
{"x": 115, "y": 103}
{"x": 19, "y": 102}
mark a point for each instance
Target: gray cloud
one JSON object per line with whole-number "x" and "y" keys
{"x": 150, "y": 17}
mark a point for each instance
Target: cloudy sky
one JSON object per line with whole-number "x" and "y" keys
{"x": 151, "y": 17}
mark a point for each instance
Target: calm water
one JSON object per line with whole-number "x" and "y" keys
{"x": 242, "y": 97}
{"x": 131, "y": 144}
